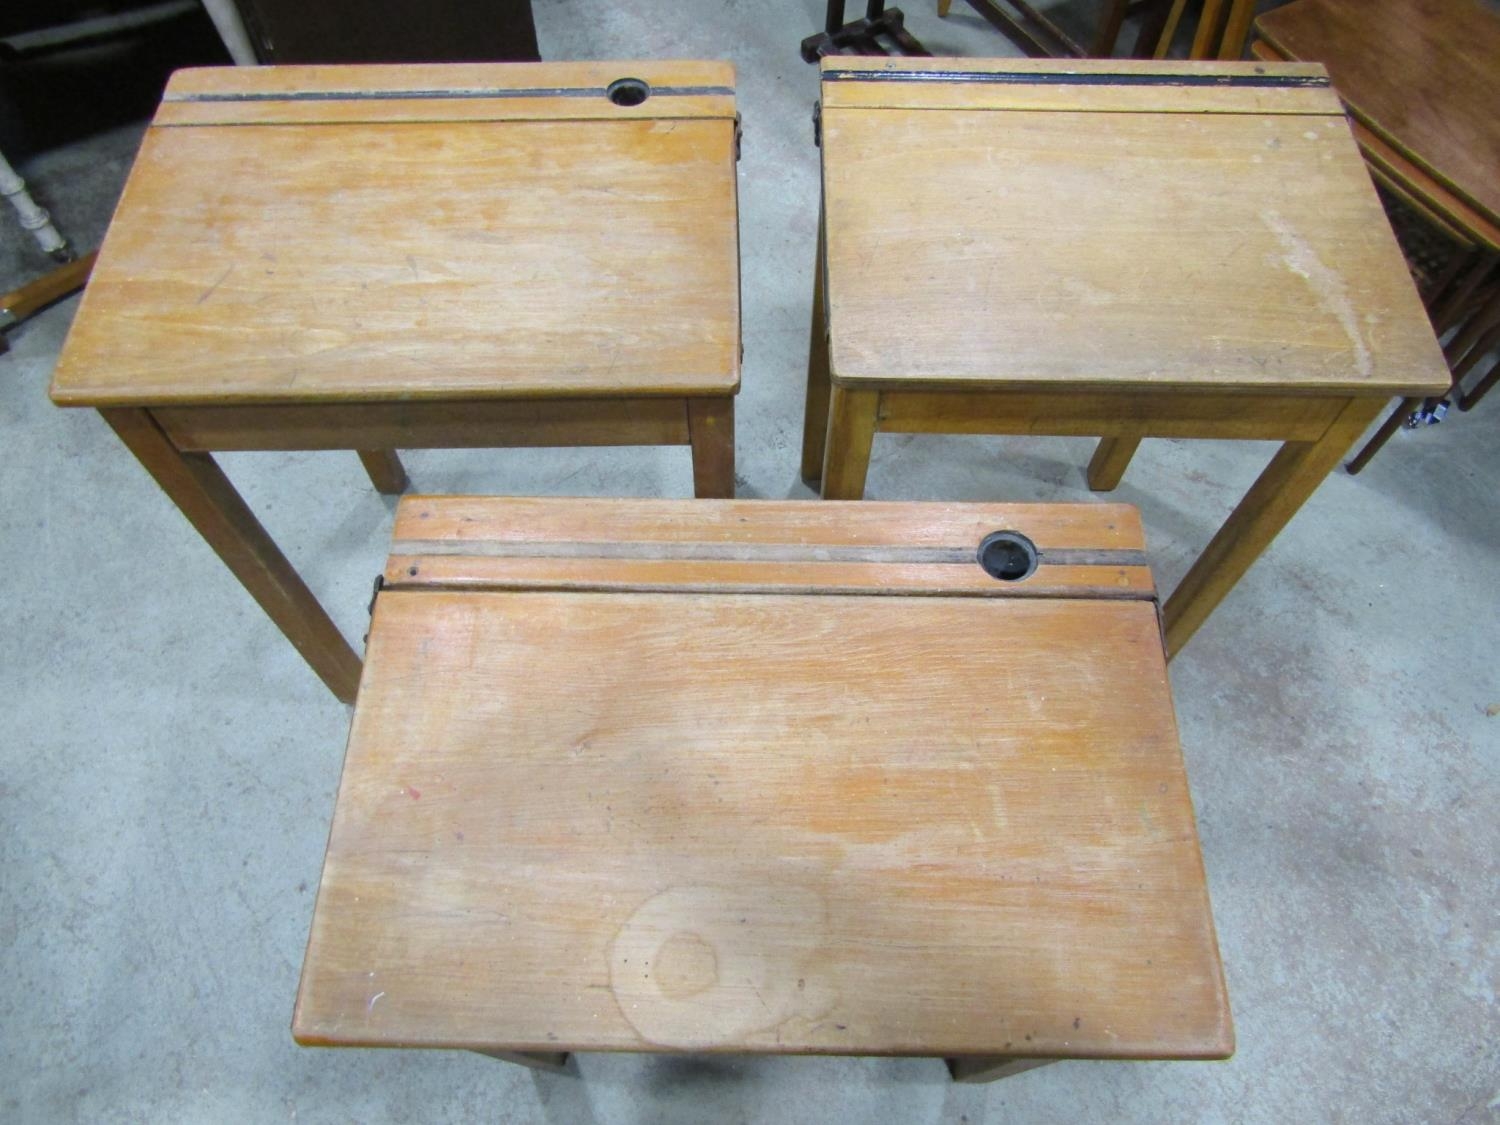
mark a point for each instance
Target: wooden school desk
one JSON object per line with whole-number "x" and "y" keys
{"x": 384, "y": 257}
{"x": 1115, "y": 248}
{"x": 778, "y": 777}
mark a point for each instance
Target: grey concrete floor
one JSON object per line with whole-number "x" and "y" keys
{"x": 168, "y": 764}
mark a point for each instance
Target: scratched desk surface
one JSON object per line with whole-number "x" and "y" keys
{"x": 1105, "y": 223}
{"x": 782, "y": 777}
{"x": 316, "y": 234}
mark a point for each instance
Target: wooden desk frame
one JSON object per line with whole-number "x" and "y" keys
{"x": 176, "y": 446}
{"x": 540, "y": 346}
{"x": 1316, "y": 422}
{"x": 673, "y": 858}
{"x": 841, "y": 422}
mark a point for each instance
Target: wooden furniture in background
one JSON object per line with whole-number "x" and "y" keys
{"x": 1221, "y": 31}
{"x": 1185, "y": 250}
{"x": 34, "y": 296}
{"x": 764, "y": 776}
{"x": 373, "y": 258}
{"x": 1030, "y": 28}
{"x": 1419, "y": 80}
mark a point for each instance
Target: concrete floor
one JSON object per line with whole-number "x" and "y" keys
{"x": 168, "y": 763}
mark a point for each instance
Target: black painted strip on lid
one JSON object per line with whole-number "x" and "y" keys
{"x": 441, "y": 95}
{"x": 1040, "y": 78}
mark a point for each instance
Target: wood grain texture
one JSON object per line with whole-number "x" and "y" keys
{"x": 797, "y": 824}
{"x": 218, "y": 81}
{"x": 878, "y": 524}
{"x": 1453, "y": 216}
{"x": 52, "y": 286}
{"x": 1189, "y": 251}
{"x": 1420, "y": 73}
{"x": 1146, "y": 412}
{"x": 428, "y": 425}
{"x": 1084, "y": 550}
{"x": 405, "y": 261}
{"x": 711, "y": 431}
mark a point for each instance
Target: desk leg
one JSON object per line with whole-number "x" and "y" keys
{"x": 1111, "y": 459}
{"x": 1291, "y": 477}
{"x": 988, "y": 1068}
{"x": 815, "y": 416}
{"x": 200, "y": 489}
{"x": 851, "y": 433}
{"x": 387, "y": 473}
{"x": 711, "y": 430}
{"x": 555, "y": 1061}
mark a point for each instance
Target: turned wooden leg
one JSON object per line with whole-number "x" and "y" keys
{"x": 200, "y": 489}
{"x": 387, "y": 473}
{"x": 711, "y": 430}
{"x": 989, "y": 1068}
{"x": 815, "y": 415}
{"x": 1291, "y": 477}
{"x": 851, "y": 433}
{"x": 1111, "y": 458}
{"x": 555, "y": 1061}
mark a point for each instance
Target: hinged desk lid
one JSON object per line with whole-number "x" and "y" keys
{"x": 614, "y": 785}
{"x": 362, "y": 233}
{"x": 1107, "y": 224}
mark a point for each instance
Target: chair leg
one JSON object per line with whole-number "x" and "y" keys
{"x": 1109, "y": 29}
{"x": 1236, "y": 30}
{"x": 1469, "y": 400}
{"x": 1206, "y": 38}
{"x": 1168, "y": 31}
{"x": 1387, "y": 430}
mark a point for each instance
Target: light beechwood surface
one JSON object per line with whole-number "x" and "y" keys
{"x": 659, "y": 818}
{"x": 326, "y": 234}
{"x": 1101, "y": 224}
